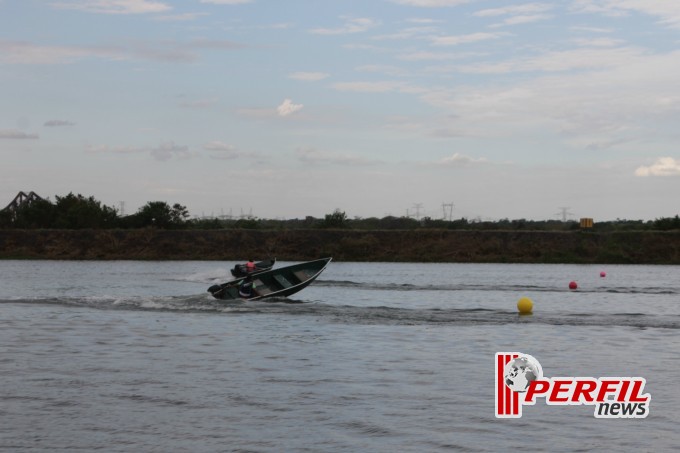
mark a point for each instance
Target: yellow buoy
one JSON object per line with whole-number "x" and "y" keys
{"x": 525, "y": 305}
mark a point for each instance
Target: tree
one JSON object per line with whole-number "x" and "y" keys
{"x": 159, "y": 214}
{"x": 338, "y": 219}
{"x": 76, "y": 212}
{"x": 37, "y": 214}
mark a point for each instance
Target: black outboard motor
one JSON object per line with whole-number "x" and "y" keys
{"x": 239, "y": 270}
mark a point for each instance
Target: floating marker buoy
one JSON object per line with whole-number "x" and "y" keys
{"x": 525, "y": 305}
{"x": 572, "y": 285}
{"x": 603, "y": 274}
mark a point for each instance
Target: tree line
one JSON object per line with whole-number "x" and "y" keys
{"x": 80, "y": 212}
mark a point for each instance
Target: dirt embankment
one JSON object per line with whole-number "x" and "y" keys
{"x": 345, "y": 245}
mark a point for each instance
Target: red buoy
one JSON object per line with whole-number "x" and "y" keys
{"x": 572, "y": 285}
{"x": 603, "y": 274}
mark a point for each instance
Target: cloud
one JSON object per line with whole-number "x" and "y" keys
{"x": 523, "y": 19}
{"x": 13, "y": 52}
{"x": 463, "y": 39}
{"x": 114, "y": 6}
{"x": 527, "y": 8}
{"x": 461, "y": 159}
{"x": 385, "y": 86}
{"x": 168, "y": 150}
{"x": 352, "y": 25}
{"x": 57, "y": 123}
{"x": 179, "y": 17}
{"x": 664, "y": 166}
{"x": 434, "y": 56}
{"x": 288, "y": 108}
{"x": 14, "y": 134}
{"x": 227, "y": 2}
{"x": 225, "y": 151}
{"x": 199, "y": 103}
{"x": 567, "y": 60}
{"x": 431, "y": 3}
{"x": 313, "y": 156}
{"x": 589, "y": 96}
{"x": 667, "y": 12}
{"x": 308, "y": 76}
{"x": 106, "y": 149}
{"x": 163, "y": 152}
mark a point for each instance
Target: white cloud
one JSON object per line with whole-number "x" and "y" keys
{"x": 310, "y": 155}
{"x": 611, "y": 97}
{"x": 199, "y": 103}
{"x": 225, "y": 151}
{"x": 288, "y": 108}
{"x": 368, "y": 87}
{"x": 57, "y": 123}
{"x": 168, "y": 150}
{"x": 386, "y": 86}
{"x": 461, "y": 159}
{"x": 13, "y": 52}
{"x": 668, "y": 12}
{"x": 523, "y": 19}
{"x": 309, "y": 76}
{"x": 463, "y": 39}
{"x": 180, "y": 17}
{"x": 15, "y": 134}
{"x": 352, "y": 25}
{"x": 434, "y": 56}
{"x": 431, "y": 3}
{"x": 664, "y": 166}
{"x": 567, "y": 60}
{"x": 114, "y": 6}
{"x": 227, "y": 2}
{"x": 527, "y": 8}
{"x": 164, "y": 151}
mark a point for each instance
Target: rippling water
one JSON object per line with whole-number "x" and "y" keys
{"x": 137, "y": 356}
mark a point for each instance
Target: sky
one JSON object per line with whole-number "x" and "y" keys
{"x": 483, "y": 109}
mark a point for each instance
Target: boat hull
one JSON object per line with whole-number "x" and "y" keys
{"x": 280, "y": 282}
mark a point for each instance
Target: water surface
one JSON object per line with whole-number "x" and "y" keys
{"x": 137, "y": 356}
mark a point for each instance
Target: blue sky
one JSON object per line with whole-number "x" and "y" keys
{"x": 290, "y": 108}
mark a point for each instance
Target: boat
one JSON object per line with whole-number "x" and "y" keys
{"x": 240, "y": 270}
{"x": 279, "y": 282}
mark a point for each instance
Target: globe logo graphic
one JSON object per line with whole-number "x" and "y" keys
{"x": 521, "y": 371}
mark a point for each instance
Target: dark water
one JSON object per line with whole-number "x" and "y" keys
{"x": 129, "y": 356}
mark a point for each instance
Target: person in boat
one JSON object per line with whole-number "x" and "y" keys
{"x": 251, "y": 266}
{"x": 246, "y": 287}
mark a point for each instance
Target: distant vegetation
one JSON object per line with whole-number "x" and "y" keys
{"x": 80, "y": 212}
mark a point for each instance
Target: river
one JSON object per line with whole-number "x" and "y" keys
{"x": 136, "y": 356}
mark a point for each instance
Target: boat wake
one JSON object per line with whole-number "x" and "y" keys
{"x": 350, "y": 314}
{"x": 467, "y": 287}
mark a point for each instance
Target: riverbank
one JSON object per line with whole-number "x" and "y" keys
{"x": 644, "y": 247}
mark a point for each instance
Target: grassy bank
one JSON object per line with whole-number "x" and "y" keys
{"x": 644, "y": 247}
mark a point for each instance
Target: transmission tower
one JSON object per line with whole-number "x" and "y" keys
{"x": 564, "y": 212}
{"x": 417, "y": 207}
{"x": 448, "y": 207}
